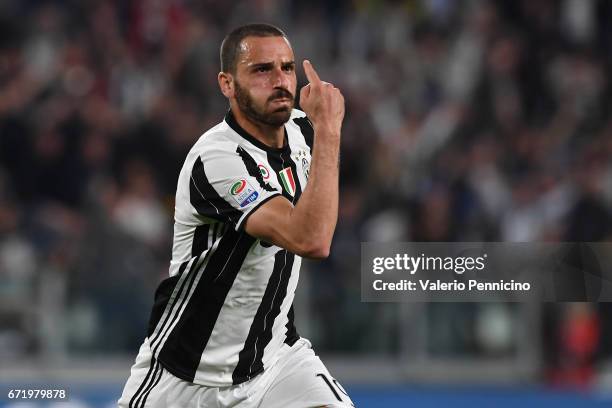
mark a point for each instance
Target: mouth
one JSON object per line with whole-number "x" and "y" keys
{"x": 280, "y": 104}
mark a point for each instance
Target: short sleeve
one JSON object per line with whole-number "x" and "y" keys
{"x": 226, "y": 185}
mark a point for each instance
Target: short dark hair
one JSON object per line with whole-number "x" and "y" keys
{"x": 230, "y": 47}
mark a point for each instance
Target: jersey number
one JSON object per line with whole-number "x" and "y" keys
{"x": 333, "y": 389}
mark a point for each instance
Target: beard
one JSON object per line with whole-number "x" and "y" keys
{"x": 258, "y": 114}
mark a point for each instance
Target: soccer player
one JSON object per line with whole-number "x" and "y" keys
{"x": 257, "y": 192}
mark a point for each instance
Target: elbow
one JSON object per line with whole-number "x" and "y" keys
{"x": 318, "y": 252}
{"x": 314, "y": 250}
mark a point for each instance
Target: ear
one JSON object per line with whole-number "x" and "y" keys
{"x": 226, "y": 83}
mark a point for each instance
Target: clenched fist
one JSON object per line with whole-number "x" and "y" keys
{"x": 322, "y": 102}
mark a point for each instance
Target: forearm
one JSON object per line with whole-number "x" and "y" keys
{"x": 316, "y": 213}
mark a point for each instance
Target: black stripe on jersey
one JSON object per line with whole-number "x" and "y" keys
{"x": 217, "y": 232}
{"x": 253, "y": 170}
{"x": 199, "y": 243}
{"x": 280, "y": 161}
{"x": 182, "y": 351}
{"x": 182, "y": 296}
{"x": 162, "y": 296}
{"x": 205, "y": 199}
{"x": 250, "y": 357}
{"x": 214, "y": 232}
{"x": 307, "y": 130}
{"x": 182, "y": 268}
{"x": 292, "y": 334}
{"x": 175, "y": 306}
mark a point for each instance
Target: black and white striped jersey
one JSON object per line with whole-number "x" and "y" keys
{"x": 226, "y": 309}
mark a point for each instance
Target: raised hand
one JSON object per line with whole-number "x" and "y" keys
{"x": 322, "y": 102}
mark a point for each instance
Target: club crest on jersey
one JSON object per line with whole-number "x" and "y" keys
{"x": 243, "y": 193}
{"x": 264, "y": 171}
{"x": 288, "y": 181}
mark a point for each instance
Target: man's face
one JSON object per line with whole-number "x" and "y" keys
{"x": 265, "y": 80}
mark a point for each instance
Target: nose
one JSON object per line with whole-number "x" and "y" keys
{"x": 280, "y": 79}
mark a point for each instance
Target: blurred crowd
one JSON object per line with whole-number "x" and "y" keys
{"x": 466, "y": 121}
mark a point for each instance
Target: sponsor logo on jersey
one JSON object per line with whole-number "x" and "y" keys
{"x": 286, "y": 177}
{"x": 264, "y": 171}
{"x": 252, "y": 197}
{"x": 243, "y": 192}
{"x": 238, "y": 187}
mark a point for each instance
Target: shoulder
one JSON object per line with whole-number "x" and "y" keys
{"x": 219, "y": 140}
{"x": 300, "y": 119}
{"x": 300, "y": 122}
{"x": 216, "y": 148}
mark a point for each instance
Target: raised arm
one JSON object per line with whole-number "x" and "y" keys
{"x": 307, "y": 229}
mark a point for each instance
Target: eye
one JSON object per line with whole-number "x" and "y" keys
{"x": 288, "y": 68}
{"x": 261, "y": 69}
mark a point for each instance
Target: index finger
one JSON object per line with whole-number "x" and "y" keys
{"x": 310, "y": 72}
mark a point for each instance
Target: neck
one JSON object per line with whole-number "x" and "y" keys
{"x": 273, "y": 136}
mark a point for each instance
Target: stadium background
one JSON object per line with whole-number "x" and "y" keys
{"x": 466, "y": 121}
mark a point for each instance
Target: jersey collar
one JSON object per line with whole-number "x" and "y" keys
{"x": 231, "y": 121}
